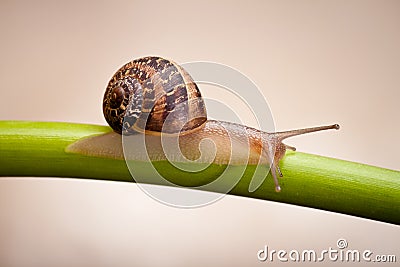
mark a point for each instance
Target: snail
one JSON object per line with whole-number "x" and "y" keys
{"x": 155, "y": 96}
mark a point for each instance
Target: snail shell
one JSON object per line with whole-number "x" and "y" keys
{"x": 153, "y": 95}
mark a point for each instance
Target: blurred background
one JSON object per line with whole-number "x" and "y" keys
{"x": 316, "y": 62}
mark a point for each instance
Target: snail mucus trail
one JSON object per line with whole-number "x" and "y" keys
{"x": 154, "y": 96}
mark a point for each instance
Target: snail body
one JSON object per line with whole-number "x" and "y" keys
{"x": 157, "y": 97}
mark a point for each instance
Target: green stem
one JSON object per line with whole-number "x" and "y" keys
{"x": 39, "y": 149}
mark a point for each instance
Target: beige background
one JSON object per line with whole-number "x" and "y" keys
{"x": 316, "y": 62}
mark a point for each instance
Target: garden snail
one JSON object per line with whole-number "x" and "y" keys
{"x": 145, "y": 93}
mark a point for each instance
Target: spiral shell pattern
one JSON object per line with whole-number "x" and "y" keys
{"x": 153, "y": 95}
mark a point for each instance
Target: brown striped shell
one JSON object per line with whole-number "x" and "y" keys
{"x": 153, "y": 95}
